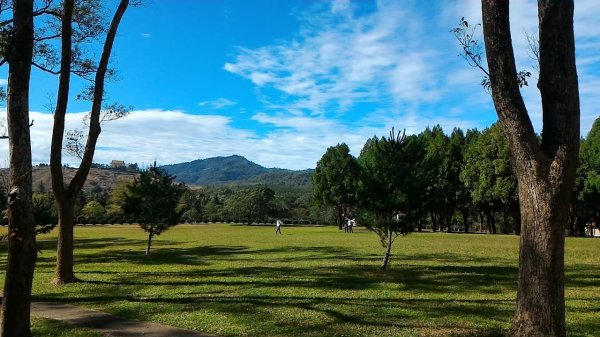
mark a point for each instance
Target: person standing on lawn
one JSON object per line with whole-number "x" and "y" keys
{"x": 278, "y": 226}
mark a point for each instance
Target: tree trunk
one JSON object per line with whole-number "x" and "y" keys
{"x": 540, "y": 299}
{"x": 64, "y": 260}
{"x": 433, "y": 221}
{"x": 65, "y": 196}
{"x": 505, "y": 221}
{"x": 150, "y": 235}
{"x": 22, "y": 249}
{"x": 465, "y": 216}
{"x": 340, "y": 216}
{"x": 517, "y": 220}
{"x": 388, "y": 250}
{"x": 546, "y": 169}
{"x": 491, "y": 221}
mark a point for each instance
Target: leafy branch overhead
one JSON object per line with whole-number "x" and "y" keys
{"x": 474, "y": 53}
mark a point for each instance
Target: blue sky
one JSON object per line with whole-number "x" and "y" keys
{"x": 280, "y": 81}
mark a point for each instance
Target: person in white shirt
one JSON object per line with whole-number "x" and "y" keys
{"x": 278, "y": 226}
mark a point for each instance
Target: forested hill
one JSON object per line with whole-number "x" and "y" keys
{"x": 235, "y": 170}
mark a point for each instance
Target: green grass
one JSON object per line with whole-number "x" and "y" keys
{"x": 50, "y": 328}
{"x": 312, "y": 281}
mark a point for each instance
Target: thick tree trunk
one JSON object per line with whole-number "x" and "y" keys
{"x": 540, "y": 299}
{"x": 545, "y": 170}
{"x": 22, "y": 249}
{"x": 64, "y": 260}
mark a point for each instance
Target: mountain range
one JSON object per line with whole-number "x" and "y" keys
{"x": 235, "y": 170}
{"x": 218, "y": 171}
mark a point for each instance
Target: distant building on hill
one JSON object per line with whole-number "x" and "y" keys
{"x": 117, "y": 164}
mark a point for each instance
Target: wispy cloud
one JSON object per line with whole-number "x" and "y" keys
{"x": 146, "y": 35}
{"x": 219, "y": 103}
{"x": 341, "y": 58}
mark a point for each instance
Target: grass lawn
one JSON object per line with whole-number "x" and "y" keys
{"x": 50, "y": 328}
{"x": 313, "y": 281}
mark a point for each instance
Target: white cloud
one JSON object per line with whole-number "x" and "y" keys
{"x": 171, "y": 136}
{"x": 218, "y": 103}
{"x": 341, "y": 58}
{"x": 3, "y": 81}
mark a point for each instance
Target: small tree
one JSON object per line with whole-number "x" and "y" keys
{"x": 44, "y": 212}
{"x": 391, "y": 179}
{"x": 93, "y": 209}
{"x": 152, "y": 199}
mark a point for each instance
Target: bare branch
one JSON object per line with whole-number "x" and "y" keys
{"x": 46, "y": 38}
{"x": 42, "y": 68}
{"x": 473, "y": 52}
{"x": 74, "y": 143}
{"x": 534, "y": 51}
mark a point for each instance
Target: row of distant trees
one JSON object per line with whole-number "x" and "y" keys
{"x": 462, "y": 181}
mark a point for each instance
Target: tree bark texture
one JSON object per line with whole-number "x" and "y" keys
{"x": 64, "y": 259}
{"x": 22, "y": 249}
{"x": 66, "y": 195}
{"x": 545, "y": 170}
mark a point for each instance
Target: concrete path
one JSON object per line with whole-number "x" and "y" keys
{"x": 105, "y": 323}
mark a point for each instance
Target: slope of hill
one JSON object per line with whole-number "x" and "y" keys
{"x": 105, "y": 178}
{"x": 235, "y": 170}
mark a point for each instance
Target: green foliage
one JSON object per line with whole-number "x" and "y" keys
{"x": 391, "y": 184}
{"x": 93, "y": 209}
{"x": 585, "y": 204}
{"x": 250, "y": 204}
{"x": 335, "y": 181}
{"x": 152, "y": 200}
{"x": 391, "y": 176}
{"x": 488, "y": 173}
{"x": 44, "y": 211}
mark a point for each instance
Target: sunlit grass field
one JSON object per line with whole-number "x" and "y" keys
{"x": 236, "y": 280}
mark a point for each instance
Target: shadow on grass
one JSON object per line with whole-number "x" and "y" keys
{"x": 250, "y": 283}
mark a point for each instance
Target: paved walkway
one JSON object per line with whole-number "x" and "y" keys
{"x": 105, "y": 323}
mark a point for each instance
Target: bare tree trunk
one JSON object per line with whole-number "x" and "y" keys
{"x": 65, "y": 197}
{"x": 388, "y": 250}
{"x": 22, "y": 249}
{"x": 64, "y": 259}
{"x": 340, "y": 216}
{"x": 465, "y": 216}
{"x": 545, "y": 170}
{"x": 433, "y": 221}
{"x": 150, "y": 235}
{"x": 517, "y": 220}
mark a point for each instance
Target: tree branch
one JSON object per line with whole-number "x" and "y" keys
{"x": 90, "y": 146}
{"x": 504, "y": 82}
{"x": 61, "y": 101}
{"x": 42, "y": 68}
